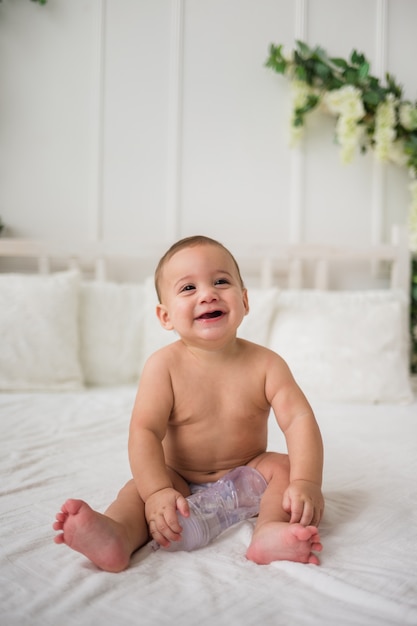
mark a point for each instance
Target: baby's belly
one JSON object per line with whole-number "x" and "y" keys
{"x": 209, "y": 468}
{"x": 204, "y": 451}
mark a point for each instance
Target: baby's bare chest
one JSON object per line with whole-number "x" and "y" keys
{"x": 229, "y": 399}
{"x": 208, "y": 432}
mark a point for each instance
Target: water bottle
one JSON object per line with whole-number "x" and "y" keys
{"x": 233, "y": 498}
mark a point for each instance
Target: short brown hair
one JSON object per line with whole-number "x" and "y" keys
{"x": 189, "y": 242}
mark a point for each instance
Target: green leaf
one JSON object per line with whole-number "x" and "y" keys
{"x": 322, "y": 71}
{"x": 357, "y": 58}
{"x": 363, "y": 70}
{"x": 281, "y": 67}
{"x": 339, "y": 62}
{"x": 335, "y": 83}
{"x": 351, "y": 76}
{"x": 303, "y": 48}
{"x": 373, "y": 83}
{"x": 276, "y": 61}
{"x": 310, "y": 104}
{"x": 301, "y": 73}
{"x": 397, "y": 90}
{"x": 372, "y": 97}
{"x": 321, "y": 55}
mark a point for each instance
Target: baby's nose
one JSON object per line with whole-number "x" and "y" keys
{"x": 208, "y": 294}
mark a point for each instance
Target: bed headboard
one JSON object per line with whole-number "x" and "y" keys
{"x": 100, "y": 332}
{"x": 294, "y": 266}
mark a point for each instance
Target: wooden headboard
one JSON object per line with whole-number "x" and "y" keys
{"x": 293, "y": 266}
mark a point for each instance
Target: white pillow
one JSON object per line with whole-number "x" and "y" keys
{"x": 345, "y": 346}
{"x": 256, "y": 325}
{"x": 39, "y": 340}
{"x": 111, "y": 329}
{"x": 155, "y": 337}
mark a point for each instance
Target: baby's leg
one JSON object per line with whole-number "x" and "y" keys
{"x": 274, "y": 538}
{"x": 107, "y": 540}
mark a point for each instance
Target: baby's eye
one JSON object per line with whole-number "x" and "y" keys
{"x": 188, "y": 288}
{"x": 221, "y": 281}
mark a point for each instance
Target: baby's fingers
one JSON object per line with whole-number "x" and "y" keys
{"x": 165, "y": 528}
{"x": 157, "y": 536}
{"x": 297, "y": 512}
{"x": 303, "y": 512}
{"x": 182, "y": 506}
{"x": 172, "y": 525}
{"x": 307, "y": 516}
{"x": 294, "y": 507}
{"x": 286, "y": 503}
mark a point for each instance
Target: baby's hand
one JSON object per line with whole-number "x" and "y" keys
{"x": 304, "y": 501}
{"x": 161, "y": 514}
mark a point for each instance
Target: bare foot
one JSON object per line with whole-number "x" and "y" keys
{"x": 280, "y": 541}
{"x": 98, "y": 537}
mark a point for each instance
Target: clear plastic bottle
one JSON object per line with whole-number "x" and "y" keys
{"x": 233, "y": 498}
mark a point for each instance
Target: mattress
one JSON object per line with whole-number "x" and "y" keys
{"x": 74, "y": 444}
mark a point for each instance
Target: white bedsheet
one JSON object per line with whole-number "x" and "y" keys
{"x": 54, "y": 446}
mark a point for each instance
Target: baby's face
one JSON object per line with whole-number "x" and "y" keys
{"x": 202, "y": 295}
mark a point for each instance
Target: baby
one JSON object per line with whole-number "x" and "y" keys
{"x": 201, "y": 410}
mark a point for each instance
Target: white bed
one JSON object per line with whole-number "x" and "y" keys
{"x": 56, "y": 444}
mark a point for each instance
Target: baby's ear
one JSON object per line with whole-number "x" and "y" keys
{"x": 246, "y": 301}
{"x": 163, "y": 316}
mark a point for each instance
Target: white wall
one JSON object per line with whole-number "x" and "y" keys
{"x": 140, "y": 121}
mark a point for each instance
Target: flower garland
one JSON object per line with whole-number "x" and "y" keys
{"x": 369, "y": 115}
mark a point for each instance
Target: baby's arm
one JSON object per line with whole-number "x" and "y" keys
{"x": 148, "y": 426}
{"x": 303, "y": 499}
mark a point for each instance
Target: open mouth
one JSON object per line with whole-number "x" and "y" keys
{"x": 211, "y": 315}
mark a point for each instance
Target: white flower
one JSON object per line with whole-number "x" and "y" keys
{"x": 397, "y": 153}
{"x": 301, "y": 92}
{"x": 346, "y": 101}
{"x": 385, "y": 134}
{"x": 296, "y": 134}
{"x": 349, "y": 136}
{"x": 347, "y": 104}
{"x": 408, "y": 116}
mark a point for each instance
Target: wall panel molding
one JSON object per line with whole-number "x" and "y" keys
{"x": 301, "y": 16}
{"x": 95, "y": 201}
{"x": 166, "y": 122}
{"x": 378, "y": 172}
{"x": 174, "y": 139}
{"x": 296, "y": 217}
